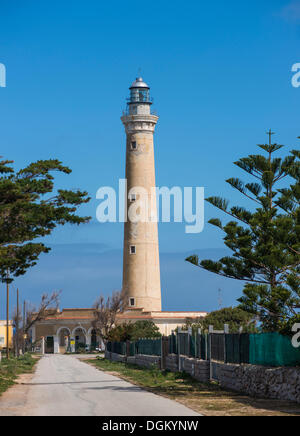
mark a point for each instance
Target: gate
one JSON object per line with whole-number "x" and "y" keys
{"x": 49, "y": 346}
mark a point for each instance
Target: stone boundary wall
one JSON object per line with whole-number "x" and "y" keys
{"x": 258, "y": 381}
{"x": 114, "y": 357}
{"x": 148, "y": 361}
{"x": 172, "y": 362}
{"x": 139, "y": 359}
{"x": 145, "y": 361}
{"x": 199, "y": 369}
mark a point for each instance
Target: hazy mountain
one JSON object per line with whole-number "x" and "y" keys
{"x": 84, "y": 270}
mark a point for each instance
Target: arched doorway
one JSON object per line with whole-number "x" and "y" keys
{"x": 64, "y": 340}
{"x": 80, "y": 339}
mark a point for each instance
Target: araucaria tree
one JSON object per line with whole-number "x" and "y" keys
{"x": 265, "y": 241}
{"x": 30, "y": 208}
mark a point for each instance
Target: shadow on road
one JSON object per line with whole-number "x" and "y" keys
{"x": 68, "y": 383}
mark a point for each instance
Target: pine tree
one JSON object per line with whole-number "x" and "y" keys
{"x": 265, "y": 241}
{"x": 28, "y": 212}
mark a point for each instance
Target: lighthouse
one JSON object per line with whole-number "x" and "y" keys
{"x": 141, "y": 269}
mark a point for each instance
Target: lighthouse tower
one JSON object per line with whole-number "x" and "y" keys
{"x": 141, "y": 272}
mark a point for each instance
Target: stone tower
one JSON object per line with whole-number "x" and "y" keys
{"x": 141, "y": 271}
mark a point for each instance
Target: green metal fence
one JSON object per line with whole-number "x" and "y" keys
{"x": 150, "y": 347}
{"x": 190, "y": 345}
{"x": 116, "y": 347}
{"x": 173, "y": 349}
{"x": 267, "y": 349}
{"x": 273, "y": 349}
{"x": 237, "y": 348}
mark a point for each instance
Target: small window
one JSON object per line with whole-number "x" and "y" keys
{"x": 131, "y": 302}
{"x": 132, "y": 197}
{"x": 133, "y": 145}
{"x": 132, "y": 249}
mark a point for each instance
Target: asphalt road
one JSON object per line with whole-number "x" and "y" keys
{"x": 65, "y": 386}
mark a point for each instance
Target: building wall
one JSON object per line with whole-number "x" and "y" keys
{"x": 3, "y": 336}
{"x": 167, "y": 322}
{"x": 64, "y": 328}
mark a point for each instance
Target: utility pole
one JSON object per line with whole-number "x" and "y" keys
{"x": 7, "y": 320}
{"x": 17, "y": 324}
{"x": 24, "y": 323}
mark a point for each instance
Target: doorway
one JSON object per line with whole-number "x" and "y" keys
{"x": 49, "y": 345}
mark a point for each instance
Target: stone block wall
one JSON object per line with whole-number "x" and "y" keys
{"x": 139, "y": 359}
{"x": 199, "y": 369}
{"x": 147, "y": 361}
{"x": 131, "y": 359}
{"x": 172, "y": 362}
{"x": 114, "y": 357}
{"x": 258, "y": 381}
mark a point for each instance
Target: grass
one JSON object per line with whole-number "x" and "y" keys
{"x": 12, "y": 368}
{"x": 205, "y": 398}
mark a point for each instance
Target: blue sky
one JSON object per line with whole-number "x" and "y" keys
{"x": 220, "y": 75}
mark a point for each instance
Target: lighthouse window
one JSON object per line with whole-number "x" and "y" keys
{"x": 132, "y": 197}
{"x": 133, "y": 145}
{"x": 132, "y": 249}
{"x": 131, "y": 302}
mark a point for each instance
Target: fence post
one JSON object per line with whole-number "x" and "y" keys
{"x": 178, "y": 349}
{"x": 189, "y": 341}
{"x": 210, "y": 332}
{"x": 240, "y": 344}
{"x": 164, "y": 351}
{"x": 199, "y": 339}
{"x": 127, "y": 349}
{"x": 226, "y": 332}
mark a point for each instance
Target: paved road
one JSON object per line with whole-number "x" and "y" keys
{"x": 65, "y": 386}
